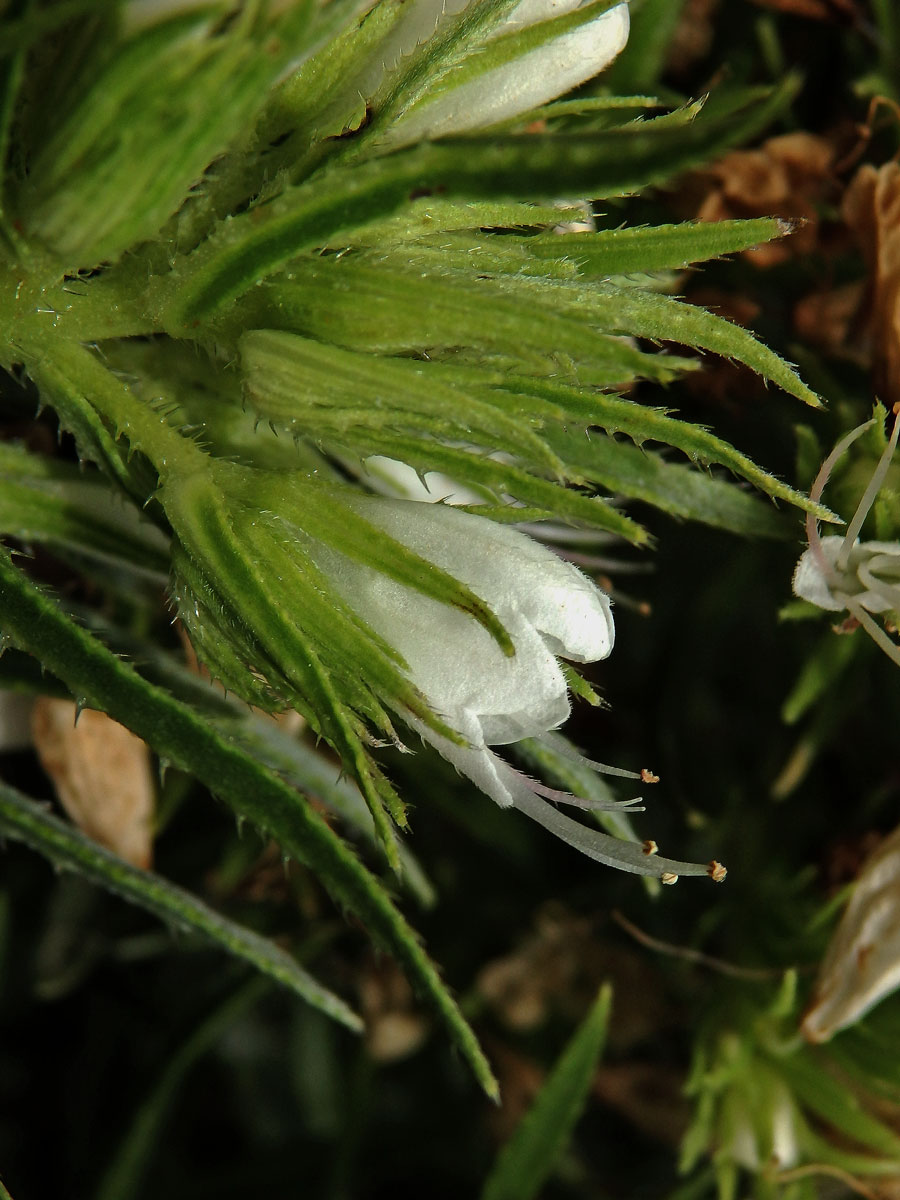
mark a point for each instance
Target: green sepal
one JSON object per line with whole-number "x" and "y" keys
{"x": 654, "y": 248}
{"x": 579, "y": 686}
{"x": 126, "y": 156}
{"x": 385, "y": 308}
{"x": 675, "y": 488}
{"x": 644, "y": 424}
{"x": 318, "y": 390}
{"x": 67, "y": 376}
{"x": 642, "y": 313}
{"x": 206, "y": 529}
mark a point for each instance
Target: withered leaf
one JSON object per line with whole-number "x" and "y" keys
{"x": 872, "y": 210}
{"x": 102, "y": 776}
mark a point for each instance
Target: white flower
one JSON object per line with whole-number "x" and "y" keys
{"x": 511, "y": 88}
{"x": 546, "y": 605}
{"x": 842, "y": 574}
{"x": 548, "y": 608}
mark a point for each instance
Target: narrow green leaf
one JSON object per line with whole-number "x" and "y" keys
{"x": 92, "y": 438}
{"x": 823, "y": 1150}
{"x": 252, "y": 245}
{"x": 12, "y": 67}
{"x": 646, "y": 314}
{"x": 655, "y": 248}
{"x": 394, "y": 309}
{"x": 674, "y": 488}
{"x": 595, "y": 255}
{"x": 819, "y": 674}
{"x": 527, "y": 1160}
{"x": 121, "y": 162}
{"x": 26, "y": 821}
{"x": 309, "y": 770}
{"x": 298, "y": 383}
{"x": 599, "y": 163}
{"x": 642, "y": 424}
{"x": 248, "y": 247}
{"x": 34, "y": 623}
{"x": 433, "y": 215}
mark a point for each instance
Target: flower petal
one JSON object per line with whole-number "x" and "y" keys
{"x": 509, "y": 571}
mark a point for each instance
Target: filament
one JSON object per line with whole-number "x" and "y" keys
{"x": 815, "y": 494}
{"x": 868, "y": 496}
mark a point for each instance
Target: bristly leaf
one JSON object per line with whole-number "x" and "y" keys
{"x": 30, "y": 620}
{"x": 24, "y": 820}
{"x": 527, "y": 1160}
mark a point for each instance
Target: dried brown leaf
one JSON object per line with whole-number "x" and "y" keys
{"x": 862, "y": 963}
{"x": 825, "y": 318}
{"x": 102, "y": 776}
{"x": 787, "y": 177}
{"x": 872, "y": 211}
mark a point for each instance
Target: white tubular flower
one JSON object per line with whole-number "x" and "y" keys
{"x": 546, "y": 605}
{"x": 842, "y": 574}
{"x": 548, "y": 609}
{"x": 529, "y": 79}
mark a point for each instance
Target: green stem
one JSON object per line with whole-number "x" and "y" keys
{"x": 36, "y": 299}
{"x": 77, "y": 383}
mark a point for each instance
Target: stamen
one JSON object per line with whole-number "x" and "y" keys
{"x": 566, "y": 751}
{"x": 875, "y": 632}
{"x": 558, "y": 797}
{"x": 815, "y": 494}
{"x": 868, "y": 496}
{"x": 601, "y": 562}
{"x": 627, "y": 856}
